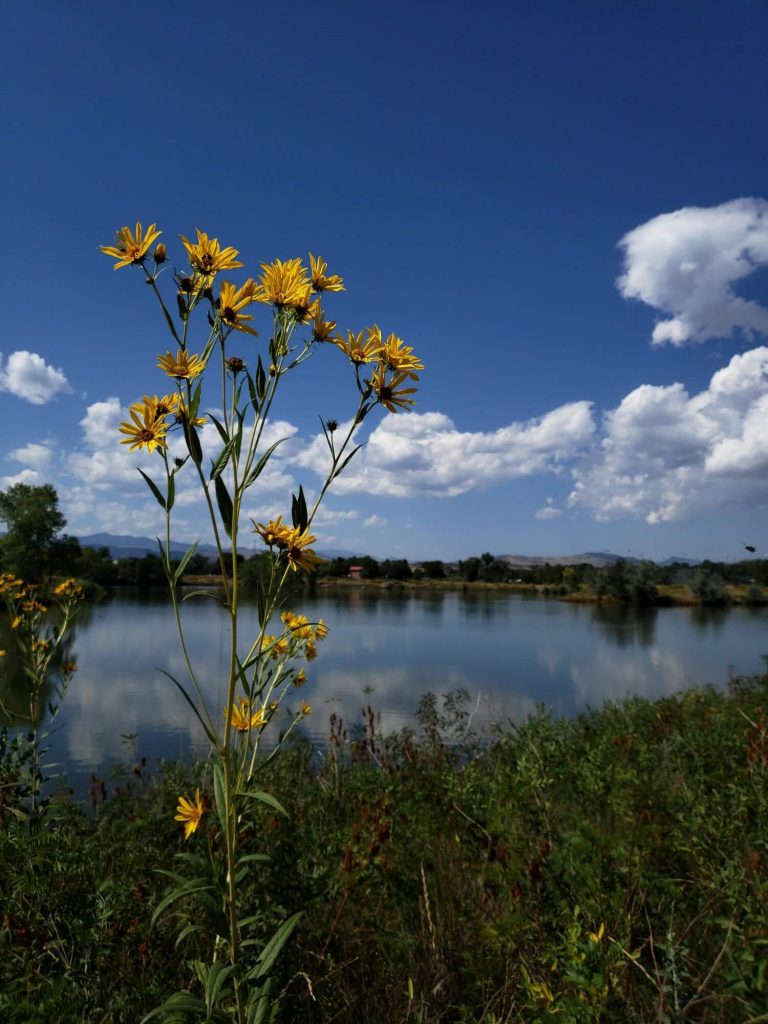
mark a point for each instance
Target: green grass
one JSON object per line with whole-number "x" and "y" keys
{"x": 609, "y": 868}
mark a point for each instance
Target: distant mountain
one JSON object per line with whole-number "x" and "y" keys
{"x": 125, "y": 546}
{"x": 596, "y": 558}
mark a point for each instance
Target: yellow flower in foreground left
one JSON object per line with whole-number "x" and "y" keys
{"x": 145, "y": 431}
{"x": 131, "y": 246}
{"x": 182, "y": 365}
{"x": 191, "y": 813}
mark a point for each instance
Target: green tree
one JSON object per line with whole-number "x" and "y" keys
{"x": 33, "y": 521}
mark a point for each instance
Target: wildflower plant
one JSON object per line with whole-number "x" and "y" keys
{"x": 206, "y": 317}
{"x": 40, "y": 640}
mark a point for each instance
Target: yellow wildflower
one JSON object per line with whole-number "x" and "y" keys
{"x": 356, "y": 349}
{"x": 67, "y": 588}
{"x": 131, "y": 246}
{"x": 232, "y": 300}
{"x": 191, "y": 812}
{"x": 300, "y": 678}
{"x": 244, "y": 718}
{"x": 386, "y": 390}
{"x": 321, "y": 282}
{"x": 274, "y": 532}
{"x": 165, "y": 405}
{"x": 207, "y": 256}
{"x": 279, "y": 648}
{"x": 297, "y": 551}
{"x": 145, "y": 431}
{"x": 398, "y": 357}
{"x": 182, "y": 365}
{"x": 322, "y": 329}
{"x": 598, "y": 935}
{"x": 310, "y": 650}
{"x": 283, "y": 284}
{"x": 305, "y": 708}
{"x": 306, "y": 307}
{"x": 3, "y": 653}
{"x": 15, "y": 622}
{"x": 321, "y": 630}
{"x": 68, "y": 667}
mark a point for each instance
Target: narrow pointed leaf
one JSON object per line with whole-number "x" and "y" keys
{"x": 184, "y": 562}
{"x": 266, "y": 798}
{"x": 154, "y": 488}
{"x": 272, "y": 949}
{"x": 225, "y": 505}
{"x": 257, "y": 469}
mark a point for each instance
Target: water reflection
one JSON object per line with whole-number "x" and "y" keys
{"x": 387, "y": 648}
{"x": 626, "y": 627}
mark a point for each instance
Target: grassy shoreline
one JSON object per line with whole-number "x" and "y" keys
{"x": 611, "y": 867}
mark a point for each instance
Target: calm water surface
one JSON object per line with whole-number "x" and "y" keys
{"x": 388, "y": 648}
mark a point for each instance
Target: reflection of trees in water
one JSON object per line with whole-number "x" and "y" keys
{"x": 627, "y": 625}
{"x": 14, "y": 682}
{"x": 709, "y": 617}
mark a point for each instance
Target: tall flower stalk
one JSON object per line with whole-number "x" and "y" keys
{"x": 40, "y": 631}
{"x": 241, "y": 386}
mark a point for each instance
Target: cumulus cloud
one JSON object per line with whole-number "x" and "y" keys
{"x": 374, "y": 521}
{"x": 424, "y": 454}
{"x": 28, "y": 376}
{"x": 36, "y": 456}
{"x": 26, "y": 476}
{"x": 666, "y": 454}
{"x": 548, "y": 512}
{"x": 685, "y": 264}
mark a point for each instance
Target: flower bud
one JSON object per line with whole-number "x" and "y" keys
{"x": 161, "y": 253}
{"x": 235, "y": 364}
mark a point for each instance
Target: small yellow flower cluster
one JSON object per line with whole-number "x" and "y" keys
{"x": 243, "y": 718}
{"x": 68, "y": 588}
{"x": 291, "y": 541}
{"x": 395, "y": 364}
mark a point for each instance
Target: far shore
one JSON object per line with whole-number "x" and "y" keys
{"x": 677, "y": 595}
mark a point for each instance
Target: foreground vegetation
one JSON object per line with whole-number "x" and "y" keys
{"x": 609, "y": 868}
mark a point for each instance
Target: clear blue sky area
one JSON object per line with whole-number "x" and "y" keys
{"x": 560, "y": 206}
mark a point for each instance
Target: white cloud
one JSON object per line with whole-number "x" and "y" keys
{"x": 548, "y": 512}
{"x": 26, "y": 476}
{"x": 686, "y": 263}
{"x": 424, "y": 454}
{"x": 374, "y": 521}
{"x": 36, "y": 456}
{"x": 666, "y": 454}
{"x": 28, "y": 376}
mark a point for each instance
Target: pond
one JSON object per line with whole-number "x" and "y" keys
{"x": 385, "y": 649}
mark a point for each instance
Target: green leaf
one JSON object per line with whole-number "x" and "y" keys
{"x": 217, "y": 975}
{"x": 171, "y": 491}
{"x": 217, "y": 467}
{"x": 299, "y": 512}
{"x": 266, "y": 798}
{"x": 221, "y": 429}
{"x": 154, "y": 488}
{"x": 184, "y": 562}
{"x": 219, "y": 792}
{"x": 194, "y": 404}
{"x": 188, "y": 888}
{"x": 193, "y": 441}
{"x": 271, "y": 951}
{"x": 179, "y": 1002}
{"x": 186, "y": 932}
{"x": 347, "y": 460}
{"x": 188, "y": 699}
{"x": 261, "y": 379}
{"x": 225, "y": 505}
{"x": 252, "y": 391}
{"x": 257, "y": 469}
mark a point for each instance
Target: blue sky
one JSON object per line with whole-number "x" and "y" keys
{"x": 560, "y": 206}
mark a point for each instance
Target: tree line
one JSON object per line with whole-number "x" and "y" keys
{"x": 36, "y": 548}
